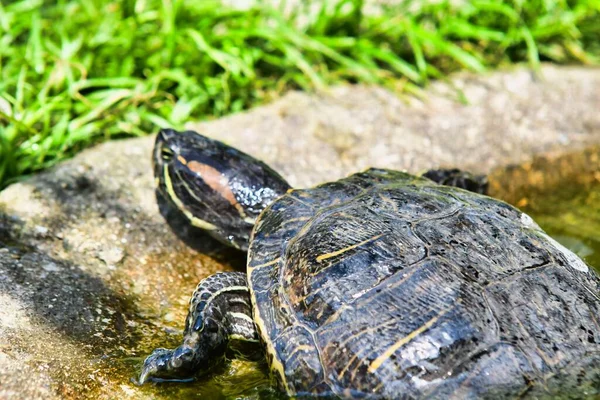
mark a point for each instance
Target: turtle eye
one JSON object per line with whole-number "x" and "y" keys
{"x": 166, "y": 153}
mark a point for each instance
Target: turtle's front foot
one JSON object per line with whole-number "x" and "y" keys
{"x": 220, "y": 311}
{"x": 167, "y": 364}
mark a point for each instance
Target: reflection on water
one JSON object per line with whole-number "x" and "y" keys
{"x": 238, "y": 380}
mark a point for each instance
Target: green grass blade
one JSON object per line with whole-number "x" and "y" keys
{"x": 76, "y": 72}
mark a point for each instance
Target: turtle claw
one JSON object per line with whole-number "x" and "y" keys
{"x": 156, "y": 364}
{"x": 168, "y": 365}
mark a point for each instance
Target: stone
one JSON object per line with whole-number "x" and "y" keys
{"x": 476, "y": 122}
{"x": 92, "y": 278}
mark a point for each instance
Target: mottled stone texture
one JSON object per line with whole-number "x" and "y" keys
{"x": 91, "y": 276}
{"x": 473, "y": 122}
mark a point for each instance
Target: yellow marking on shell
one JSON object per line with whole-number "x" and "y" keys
{"x": 378, "y": 387}
{"x": 388, "y": 287}
{"x": 345, "y": 249}
{"x": 267, "y": 264}
{"x": 320, "y": 314}
{"x": 297, "y": 219}
{"x": 305, "y": 228}
{"x": 342, "y": 345}
{"x": 348, "y": 364}
{"x": 276, "y": 365}
{"x": 336, "y": 314}
{"x": 335, "y": 202}
{"x": 156, "y": 182}
{"x": 401, "y": 342}
{"x": 197, "y": 222}
{"x": 302, "y": 347}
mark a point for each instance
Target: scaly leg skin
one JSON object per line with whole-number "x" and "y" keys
{"x": 220, "y": 311}
{"x": 460, "y": 179}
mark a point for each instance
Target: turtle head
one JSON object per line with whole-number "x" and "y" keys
{"x": 216, "y": 187}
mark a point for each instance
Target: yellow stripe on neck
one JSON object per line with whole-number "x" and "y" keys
{"x": 197, "y": 222}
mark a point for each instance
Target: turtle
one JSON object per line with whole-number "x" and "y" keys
{"x": 379, "y": 285}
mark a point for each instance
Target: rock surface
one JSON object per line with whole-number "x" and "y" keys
{"x": 475, "y": 122}
{"x": 92, "y": 278}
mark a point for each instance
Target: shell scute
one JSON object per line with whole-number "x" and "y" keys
{"x": 383, "y": 283}
{"x": 482, "y": 244}
{"x": 297, "y": 347}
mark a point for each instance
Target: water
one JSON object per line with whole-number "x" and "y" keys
{"x": 238, "y": 380}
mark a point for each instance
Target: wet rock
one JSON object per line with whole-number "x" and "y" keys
{"x": 111, "y": 255}
{"x": 92, "y": 278}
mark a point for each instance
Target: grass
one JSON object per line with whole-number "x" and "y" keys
{"x": 76, "y": 72}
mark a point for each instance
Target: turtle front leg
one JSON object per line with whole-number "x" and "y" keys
{"x": 220, "y": 311}
{"x": 460, "y": 179}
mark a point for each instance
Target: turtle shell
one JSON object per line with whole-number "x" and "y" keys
{"x": 386, "y": 285}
